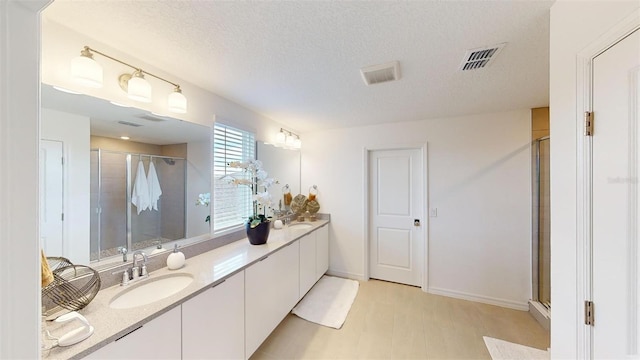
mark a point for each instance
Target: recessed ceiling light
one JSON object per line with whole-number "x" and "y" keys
{"x": 125, "y": 137}
{"x": 66, "y": 90}
{"x": 119, "y": 104}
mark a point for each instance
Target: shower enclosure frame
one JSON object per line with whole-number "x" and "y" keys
{"x": 128, "y": 179}
{"x": 535, "y": 240}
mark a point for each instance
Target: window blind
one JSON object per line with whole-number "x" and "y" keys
{"x": 232, "y": 204}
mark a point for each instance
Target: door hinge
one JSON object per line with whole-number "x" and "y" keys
{"x": 588, "y": 123}
{"x": 62, "y": 217}
{"x": 588, "y": 312}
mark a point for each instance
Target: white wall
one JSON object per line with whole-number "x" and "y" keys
{"x": 73, "y": 131}
{"x": 479, "y": 180}
{"x": 574, "y": 26}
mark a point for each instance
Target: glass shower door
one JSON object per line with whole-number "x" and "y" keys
{"x": 543, "y": 214}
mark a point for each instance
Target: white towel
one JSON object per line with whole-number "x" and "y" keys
{"x": 154, "y": 187}
{"x": 140, "y": 194}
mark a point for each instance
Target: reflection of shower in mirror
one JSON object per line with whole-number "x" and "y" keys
{"x": 78, "y": 123}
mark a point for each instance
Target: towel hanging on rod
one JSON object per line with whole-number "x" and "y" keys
{"x": 140, "y": 194}
{"x": 154, "y": 186}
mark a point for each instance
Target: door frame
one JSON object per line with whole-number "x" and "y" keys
{"x": 366, "y": 153}
{"x": 584, "y": 147}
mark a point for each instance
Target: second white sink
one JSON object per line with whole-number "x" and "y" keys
{"x": 150, "y": 290}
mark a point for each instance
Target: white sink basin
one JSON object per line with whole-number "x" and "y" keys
{"x": 300, "y": 226}
{"x": 150, "y": 290}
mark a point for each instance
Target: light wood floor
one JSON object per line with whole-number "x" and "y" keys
{"x": 393, "y": 321}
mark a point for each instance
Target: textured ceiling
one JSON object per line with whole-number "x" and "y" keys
{"x": 298, "y": 62}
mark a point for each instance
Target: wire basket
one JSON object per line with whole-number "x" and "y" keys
{"x": 73, "y": 286}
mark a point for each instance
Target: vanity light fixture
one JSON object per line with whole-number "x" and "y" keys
{"x": 86, "y": 71}
{"x": 125, "y": 137}
{"x": 288, "y": 139}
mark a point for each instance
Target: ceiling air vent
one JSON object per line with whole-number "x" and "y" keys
{"x": 376, "y": 74}
{"x": 151, "y": 118}
{"x": 480, "y": 57}
{"x": 129, "y": 123}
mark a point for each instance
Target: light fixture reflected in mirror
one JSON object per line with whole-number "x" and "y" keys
{"x": 86, "y": 71}
{"x": 287, "y": 139}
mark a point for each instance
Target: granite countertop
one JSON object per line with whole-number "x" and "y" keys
{"x": 207, "y": 269}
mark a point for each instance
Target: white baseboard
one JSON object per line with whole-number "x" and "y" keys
{"x": 524, "y": 306}
{"x": 347, "y": 275}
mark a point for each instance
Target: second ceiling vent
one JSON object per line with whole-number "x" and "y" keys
{"x": 376, "y": 74}
{"x": 480, "y": 57}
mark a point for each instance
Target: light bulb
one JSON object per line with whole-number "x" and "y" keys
{"x": 177, "y": 102}
{"x": 138, "y": 88}
{"x": 281, "y": 138}
{"x": 85, "y": 70}
{"x": 290, "y": 140}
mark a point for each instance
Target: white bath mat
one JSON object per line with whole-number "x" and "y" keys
{"x": 504, "y": 350}
{"x": 328, "y": 302}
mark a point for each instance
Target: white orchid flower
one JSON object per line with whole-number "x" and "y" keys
{"x": 204, "y": 199}
{"x": 268, "y": 182}
{"x": 263, "y": 198}
{"x": 238, "y": 164}
{"x": 261, "y": 174}
{"x": 242, "y": 182}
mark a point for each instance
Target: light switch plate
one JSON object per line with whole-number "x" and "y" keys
{"x": 433, "y": 212}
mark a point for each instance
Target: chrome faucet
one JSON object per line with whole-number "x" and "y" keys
{"x": 123, "y": 250}
{"x": 136, "y": 271}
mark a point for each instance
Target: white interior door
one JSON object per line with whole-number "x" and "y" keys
{"x": 396, "y": 201}
{"x": 615, "y": 200}
{"x": 51, "y": 192}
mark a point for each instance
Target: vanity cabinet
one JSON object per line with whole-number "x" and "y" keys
{"x": 322, "y": 251}
{"x": 271, "y": 291}
{"x": 159, "y": 338}
{"x": 231, "y": 319}
{"x": 213, "y": 322}
{"x": 314, "y": 258}
{"x": 308, "y": 259}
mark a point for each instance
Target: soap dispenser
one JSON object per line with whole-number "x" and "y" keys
{"x": 175, "y": 260}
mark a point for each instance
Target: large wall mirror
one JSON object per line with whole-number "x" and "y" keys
{"x": 111, "y": 192}
{"x": 282, "y": 165}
